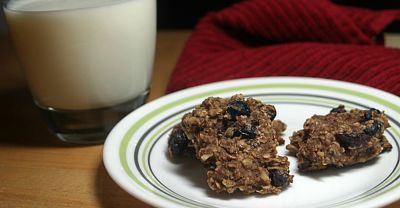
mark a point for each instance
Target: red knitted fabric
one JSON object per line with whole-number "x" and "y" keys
{"x": 313, "y": 38}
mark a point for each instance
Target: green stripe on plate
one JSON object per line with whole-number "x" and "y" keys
{"x": 300, "y": 99}
{"x": 138, "y": 124}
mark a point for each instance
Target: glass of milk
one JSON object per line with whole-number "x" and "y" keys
{"x": 87, "y": 62}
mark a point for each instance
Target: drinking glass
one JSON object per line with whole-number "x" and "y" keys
{"x": 87, "y": 63}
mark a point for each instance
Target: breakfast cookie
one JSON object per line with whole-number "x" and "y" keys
{"x": 236, "y": 140}
{"x": 340, "y": 138}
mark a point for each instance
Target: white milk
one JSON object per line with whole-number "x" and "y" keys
{"x": 84, "y": 54}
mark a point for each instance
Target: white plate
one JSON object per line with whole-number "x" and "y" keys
{"x": 135, "y": 152}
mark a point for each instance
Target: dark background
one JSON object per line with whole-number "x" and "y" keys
{"x": 183, "y": 14}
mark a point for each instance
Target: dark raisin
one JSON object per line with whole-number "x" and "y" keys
{"x": 368, "y": 113}
{"x": 279, "y": 178}
{"x": 352, "y": 140}
{"x": 211, "y": 165}
{"x": 339, "y": 109}
{"x": 375, "y": 110}
{"x": 238, "y": 108}
{"x": 272, "y": 114}
{"x": 373, "y": 129}
{"x": 189, "y": 152}
{"x": 178, "y": 142}
{"x": 247, "y": 132}
{"x": 227, "y": 123}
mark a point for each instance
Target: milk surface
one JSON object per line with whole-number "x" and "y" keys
{"x": 54, "y": 5}
{"x": 84, "y": 54}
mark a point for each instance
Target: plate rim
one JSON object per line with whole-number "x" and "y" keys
{"x": 173, "y": 96}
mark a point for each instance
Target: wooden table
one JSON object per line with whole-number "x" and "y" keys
{"x": 36, "y": 169}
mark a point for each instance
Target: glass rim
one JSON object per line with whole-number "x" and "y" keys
{"x": 5, "y": 3}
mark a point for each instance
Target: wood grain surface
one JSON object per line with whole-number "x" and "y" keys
{"x": 37, "y": 170}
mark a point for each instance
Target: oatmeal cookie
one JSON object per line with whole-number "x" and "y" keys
{"x": 236, "y": 140}
{"x": 340, "y": 138}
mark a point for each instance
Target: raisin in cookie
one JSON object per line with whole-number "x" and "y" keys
{"x": 340, "y": 138}
{"x": 236, "y": 140}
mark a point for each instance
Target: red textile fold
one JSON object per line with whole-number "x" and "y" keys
{"x": 313, "y": 38}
